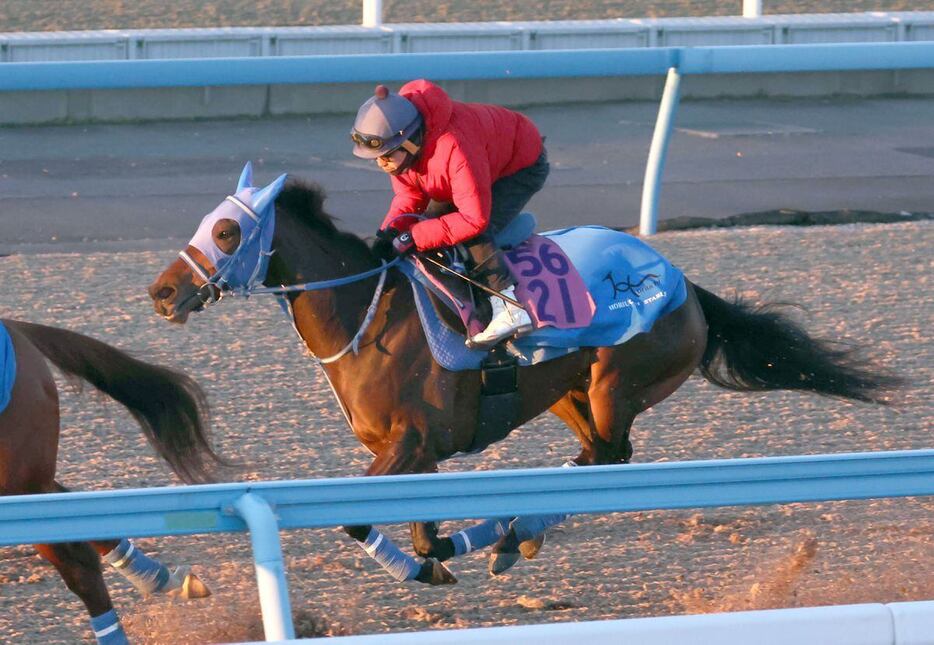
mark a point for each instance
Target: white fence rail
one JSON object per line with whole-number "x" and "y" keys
{"x": 480, "y": 36}
{"x": 903, "y": 623}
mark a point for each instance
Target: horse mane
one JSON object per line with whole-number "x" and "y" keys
{"x": 304, "y": 201}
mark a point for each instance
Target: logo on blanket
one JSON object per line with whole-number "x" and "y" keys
{"x": 647, "y": 283}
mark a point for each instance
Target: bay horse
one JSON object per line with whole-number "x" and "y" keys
{"x": 411, "y": 413}
{"x": 172, "y": 412}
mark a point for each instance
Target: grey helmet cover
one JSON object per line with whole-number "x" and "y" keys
{"x": 384, "y": 122}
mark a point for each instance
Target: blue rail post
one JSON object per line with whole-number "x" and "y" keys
{"x": 655, "y": 166}
{"x": 270, "y": 571}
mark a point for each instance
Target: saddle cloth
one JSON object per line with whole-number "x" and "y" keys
{"x": 630, "y": 283}
{"x": 7, "y": 367}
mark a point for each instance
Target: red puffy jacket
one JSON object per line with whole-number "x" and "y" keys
{"x": 467, "y": 147}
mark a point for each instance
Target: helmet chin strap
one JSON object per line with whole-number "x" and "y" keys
{"x": 412, "y": 151}
{"x": 410, "y": 147}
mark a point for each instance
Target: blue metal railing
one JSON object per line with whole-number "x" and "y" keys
{"x": 381, "y": 500}
{"x": 123, "y": 74}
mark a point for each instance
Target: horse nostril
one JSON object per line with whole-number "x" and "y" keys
{"x": 161, "y": 293}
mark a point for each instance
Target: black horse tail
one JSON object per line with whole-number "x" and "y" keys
{"x": 171, "y": 407}
{"x": 757, "y": 347}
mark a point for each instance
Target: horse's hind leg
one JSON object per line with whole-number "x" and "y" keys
{"x": 28, "y": 448}
{"x": 79, "y": 567}
{"x": 630, "y": 378}
{"x": 573, "y": 410}
{"x": 145, "y": 573}
{"x": 624, "y": 381}
{"x": 525, "y": 535}
{"x": 148, "y": 575}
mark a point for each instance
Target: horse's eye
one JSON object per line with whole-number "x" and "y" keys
{"x": 223, "y": 235}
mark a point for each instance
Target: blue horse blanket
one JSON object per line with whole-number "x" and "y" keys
{"x": 7, "y": 367}
{"x": 631, "y": 284}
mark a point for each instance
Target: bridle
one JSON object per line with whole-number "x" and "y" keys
{"x": 218, "y": 284}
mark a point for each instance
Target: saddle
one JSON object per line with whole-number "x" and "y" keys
{"x": 586, "y": 286}
{"x": 547, "y": 284}
{"x": 624, "y": 287}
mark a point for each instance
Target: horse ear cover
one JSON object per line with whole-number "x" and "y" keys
{"x": 246, "y": 177}
{"x": 265, "y": 196}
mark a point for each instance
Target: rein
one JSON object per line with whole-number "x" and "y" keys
{"x": 322, "y": 284}
{"x": 354, "y": 343}
{"x": 207, "y": 297}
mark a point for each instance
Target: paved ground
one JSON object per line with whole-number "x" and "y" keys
{"x": 134, "y": 186}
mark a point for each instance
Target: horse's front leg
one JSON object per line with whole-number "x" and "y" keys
{"x": 427, "y": 544}
{"x": 407, "y": 453}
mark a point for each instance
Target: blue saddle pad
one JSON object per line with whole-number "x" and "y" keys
{"x": 7, "y": 367}
{"x": 631, "y": 283}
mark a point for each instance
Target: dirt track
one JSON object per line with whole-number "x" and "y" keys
{"x": 55, "y": 15}
{"x": 272, "y": 409}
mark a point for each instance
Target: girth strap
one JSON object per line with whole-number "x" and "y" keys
{"x": 498, "y": 411}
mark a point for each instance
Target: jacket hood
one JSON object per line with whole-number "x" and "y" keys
{"x": 434, "y": 105}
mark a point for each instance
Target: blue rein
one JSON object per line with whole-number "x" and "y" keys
{"x": 320, "y": 284}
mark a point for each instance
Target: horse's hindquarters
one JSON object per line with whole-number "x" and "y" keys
{"x": 650, "y": 366}
{"x": 29, "y": 424}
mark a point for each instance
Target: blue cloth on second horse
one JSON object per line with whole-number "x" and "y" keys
{"x": 7, "y": 367}
{"x": 631, "y": 283}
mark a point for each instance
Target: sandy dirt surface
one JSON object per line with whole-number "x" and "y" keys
{"x": 273, "y": 411}
{"x": 66, "y": 15}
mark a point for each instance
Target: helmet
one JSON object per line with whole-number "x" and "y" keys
{"x": 384, "y": 123}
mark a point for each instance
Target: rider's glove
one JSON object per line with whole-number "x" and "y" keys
{"x": 403, "y": 244}
{"x": 382, "y": 247}
{"x": 387, "y": 234}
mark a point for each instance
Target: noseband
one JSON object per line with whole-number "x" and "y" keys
{"x": 209, "y": 292}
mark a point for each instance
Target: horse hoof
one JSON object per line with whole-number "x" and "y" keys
{"x": 530, "y": 548}
{"x": 435, "y": 573}
{"x": 505, "y": 553}
{"x": 501, "y": 562}
{"x": 185, "y": 585}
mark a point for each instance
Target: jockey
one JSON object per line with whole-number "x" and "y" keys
{"x": 469, "y": 168}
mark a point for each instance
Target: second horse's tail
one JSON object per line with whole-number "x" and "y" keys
{"x": 170, "y": 406}
{"x": 757, "y": 347}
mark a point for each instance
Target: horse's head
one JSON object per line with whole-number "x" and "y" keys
{"x": 230, "y": 250}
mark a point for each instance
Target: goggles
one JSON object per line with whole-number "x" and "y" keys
{"x": 372, "y": 141}
{"x": 376, "y": 142}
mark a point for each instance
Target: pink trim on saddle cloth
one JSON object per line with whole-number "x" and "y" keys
{"x": 464, "y": 309}
{"x": 549, "y": 286}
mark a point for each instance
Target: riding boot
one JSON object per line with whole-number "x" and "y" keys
{"x": 490, "y": 269}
